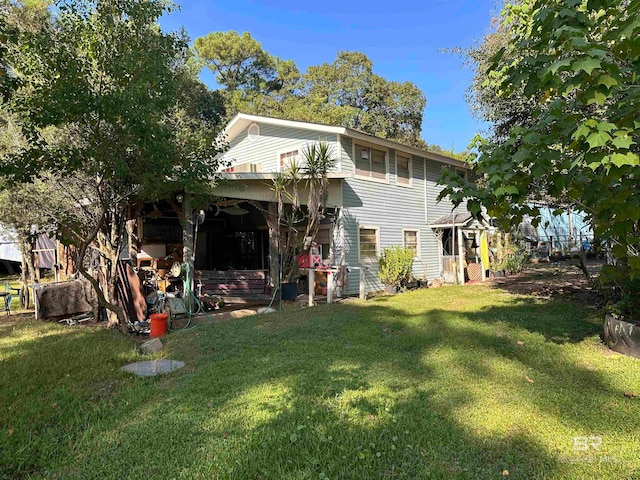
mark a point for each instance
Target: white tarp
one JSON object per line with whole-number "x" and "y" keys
{"x": 8, "y": 248}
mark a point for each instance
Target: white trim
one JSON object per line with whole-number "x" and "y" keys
{"x": 375, "y": 147}
{"x": 369, "y": 227}
{"x": 410, "y": 165}
{"x": 418, "y": 254}
{"x": 264, "y": 175}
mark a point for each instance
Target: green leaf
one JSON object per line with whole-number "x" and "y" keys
{"x": 578, "y": 42}
{"x": 558, "y": 64}
{"x": 598, "y": 98}
{"x": 521, "y": 155}
{"x": 634, "y": 263}
{"x": 597, "y": 52}
{"x": 581, "y": 132}
{"x": 607, "y": 80}
{"x": 598, "y": 139}
{"x": 508, "y": 190}
{"x": 623, "y": 141}
{"x": 606, "y": 126}
{"x": 621, "y": 159}
{"x": 587, "y": 64}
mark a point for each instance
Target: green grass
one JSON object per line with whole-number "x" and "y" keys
{"x": 443, "y": 383}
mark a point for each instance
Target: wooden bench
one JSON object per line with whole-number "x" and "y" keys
{"x": 233, "y": 284}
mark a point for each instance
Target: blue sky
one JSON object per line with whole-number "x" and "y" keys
{"x": 403, "y": 39}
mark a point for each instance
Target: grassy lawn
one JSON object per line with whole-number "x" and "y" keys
{"x": 460, "y": 382}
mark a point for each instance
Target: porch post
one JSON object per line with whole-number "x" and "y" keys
{"x": 188, "y": 227}
{"x": 439, "y": 234}
{"x": 461, "y": 255}
{"x": 311, "y": 279}
{"x": 482, "y": 234}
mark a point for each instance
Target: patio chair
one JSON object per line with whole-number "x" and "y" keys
{"x": 8, "y": 295}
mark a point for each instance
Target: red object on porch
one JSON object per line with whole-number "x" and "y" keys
{"x": 309, "y": 261}
{"x": 158, "y": 324}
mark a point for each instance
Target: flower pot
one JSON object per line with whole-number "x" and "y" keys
{"x": 621, "y": 336}
{"x": 289, "y": 291}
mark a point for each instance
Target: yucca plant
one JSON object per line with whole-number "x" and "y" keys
{"x": 292, "y": 217}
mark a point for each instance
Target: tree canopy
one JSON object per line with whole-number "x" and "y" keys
{"x": 575, "y": 65}
{"x": 130, "y": 119}
{"x": 345, "y": 92}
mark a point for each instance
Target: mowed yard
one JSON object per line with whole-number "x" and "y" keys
{"x": 455, "y": 382}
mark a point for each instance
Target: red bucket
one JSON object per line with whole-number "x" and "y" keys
{"x": 158, "y": 324}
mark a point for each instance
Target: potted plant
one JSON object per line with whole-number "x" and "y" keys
{"x": 395, "y": 268}
{"x": 298, "y": 224}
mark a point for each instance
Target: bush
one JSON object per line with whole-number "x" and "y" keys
{"x": 515, "y": 261}
{"x": 396, "y": 264}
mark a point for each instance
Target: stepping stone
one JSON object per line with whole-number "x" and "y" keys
{"x": 151, "y": 368}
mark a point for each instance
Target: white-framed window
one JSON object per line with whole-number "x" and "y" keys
{"x": 461, "y": 172}
{"x": 403, "y": 169}
{"x": 371, "y": 162}
{"x": 368, "y": 244}
{"x": 411, "y": 240}
{"x": 288, "y": 157}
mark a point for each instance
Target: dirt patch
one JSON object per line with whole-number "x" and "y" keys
{"x": 555, "y": 279}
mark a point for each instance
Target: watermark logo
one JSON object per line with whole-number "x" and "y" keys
{"x": 588, "y": 450}
{"x": 585, "y": 444}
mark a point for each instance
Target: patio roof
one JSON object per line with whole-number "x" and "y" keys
{"x": 462, "y": 219}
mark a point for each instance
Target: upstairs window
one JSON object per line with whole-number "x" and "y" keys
{"x": 403, "y": 169}
{"x": 371, "y": 162}
{"x": 287, "y": 159}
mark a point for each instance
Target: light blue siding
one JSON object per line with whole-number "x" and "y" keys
{"x": 391, "y": 208}
{"x": 387, "y": 206}
{"x": 272, "y": 141}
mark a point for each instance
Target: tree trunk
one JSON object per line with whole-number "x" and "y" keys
{"x": 274, "y": 250}
{"x": 24, "y": 270}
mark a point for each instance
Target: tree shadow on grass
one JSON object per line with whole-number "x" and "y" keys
{"x": 352, "y": 391}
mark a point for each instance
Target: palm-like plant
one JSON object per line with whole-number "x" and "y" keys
{"x": 317, "y": 162}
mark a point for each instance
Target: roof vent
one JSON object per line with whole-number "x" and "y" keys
{"x": 253, "y": 132}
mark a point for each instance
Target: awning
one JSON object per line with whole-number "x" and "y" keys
{"x": 462, "y": 220}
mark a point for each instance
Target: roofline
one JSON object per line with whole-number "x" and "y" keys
{"x": 349, "y": 132}
{"x": 281, "y": 122}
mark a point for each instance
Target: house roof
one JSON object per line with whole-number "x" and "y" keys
{"x": 241, "y": 121}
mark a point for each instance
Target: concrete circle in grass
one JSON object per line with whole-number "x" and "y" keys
{"x": 152, "y": 368}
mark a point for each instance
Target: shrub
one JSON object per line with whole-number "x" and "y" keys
{"x": 515, "y": 261}
{"x": 396, "y": 264}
